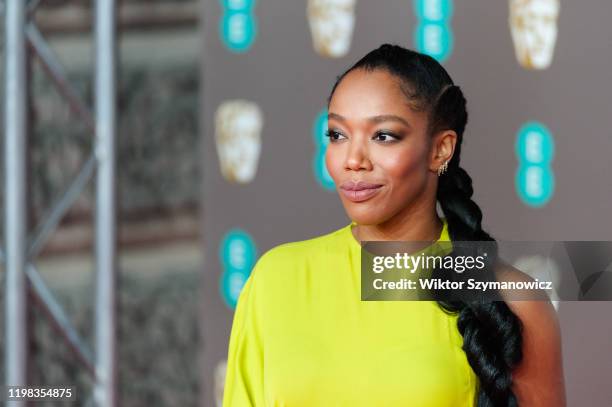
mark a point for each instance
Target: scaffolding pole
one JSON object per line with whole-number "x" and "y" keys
{"x": 106, "y": 227}
{"x": 15, "y": 103}
{"x": 19, "y": 254}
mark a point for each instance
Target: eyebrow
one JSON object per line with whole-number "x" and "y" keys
{"x": 375, "y": 119}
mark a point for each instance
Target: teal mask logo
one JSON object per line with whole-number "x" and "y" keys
{"x": 237, "y": 254}
{"x": 318, "y": 163}
{"x": 238, "y": 26}
{"x": 433, "y": 34}
{"x": 534, "y": 179}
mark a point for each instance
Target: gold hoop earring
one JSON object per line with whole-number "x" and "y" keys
{"x": 442, "y": 169}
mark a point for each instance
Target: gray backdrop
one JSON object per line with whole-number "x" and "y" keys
{"x": 284, "y": 75}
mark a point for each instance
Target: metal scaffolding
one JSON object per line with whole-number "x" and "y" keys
{"x": 21, "y": 35}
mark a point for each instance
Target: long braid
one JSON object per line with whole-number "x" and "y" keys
{"x": 492, "y": 338}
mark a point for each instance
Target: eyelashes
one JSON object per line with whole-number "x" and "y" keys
{"x": 391, "y": 137}
{"x": 332, "y": 133}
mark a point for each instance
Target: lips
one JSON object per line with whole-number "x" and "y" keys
{"x": 358, "y": 185}
{"x": 359, "y": 191}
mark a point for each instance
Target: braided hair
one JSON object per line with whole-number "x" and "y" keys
{"x": 492, "y": 337}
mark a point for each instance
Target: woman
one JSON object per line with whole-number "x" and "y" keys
{"x": 302, "y": 337}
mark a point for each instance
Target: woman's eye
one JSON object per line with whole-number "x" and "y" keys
{"x": 333, "y": 135}
{"x": 381, "y": 136}
{"x": 385, "y": 137}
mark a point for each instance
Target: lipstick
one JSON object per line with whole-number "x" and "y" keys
{"x": 359, "y": 191}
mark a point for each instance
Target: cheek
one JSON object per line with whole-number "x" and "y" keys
{"x": 402, "y": 167}
{"x": 332, "y": 162}
{"x": 406, "y": 176}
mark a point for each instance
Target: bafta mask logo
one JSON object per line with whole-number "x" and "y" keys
{"x": 219, "y": 379}
{"x": 238, "y": 126}
{"x": 533, "y": 25}
{"x": 331, "y": 26}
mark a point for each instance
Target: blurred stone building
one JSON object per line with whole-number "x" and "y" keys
{"x": 158, "y": 190}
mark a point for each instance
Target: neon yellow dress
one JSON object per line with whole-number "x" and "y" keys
{"x": 301, "y": 337}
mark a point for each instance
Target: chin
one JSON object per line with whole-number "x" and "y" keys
{"x": 364, "y": 214}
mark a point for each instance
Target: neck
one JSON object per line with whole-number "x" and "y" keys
{"x": 425, "y": 226}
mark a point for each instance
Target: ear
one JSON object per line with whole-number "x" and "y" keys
{"x": 442, "y": 148}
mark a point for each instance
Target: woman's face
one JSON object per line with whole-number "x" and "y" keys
{"x": 376, "y": 138}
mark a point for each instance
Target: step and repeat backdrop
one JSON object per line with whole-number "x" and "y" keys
{"x": 536, "y": 77}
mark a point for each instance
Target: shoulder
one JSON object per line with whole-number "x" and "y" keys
{"x": 287, "y": 255}
{"x": 280, "y": 269}
{"x": 531, "y": 306}
{"x": 541, "y": 345}
{"x": 539, "y": 321}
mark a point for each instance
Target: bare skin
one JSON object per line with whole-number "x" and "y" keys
{"x": 404, "y": 209}
{"x": 538, "y": 379}
{"x": 376, "y": 137}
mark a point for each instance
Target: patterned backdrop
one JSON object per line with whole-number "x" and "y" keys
{"x": 536, "y": 78}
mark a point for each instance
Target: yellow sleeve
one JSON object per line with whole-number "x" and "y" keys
{"x": 244, "y": 375}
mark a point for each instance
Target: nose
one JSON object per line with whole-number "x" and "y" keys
{"x": 357, "y": 156}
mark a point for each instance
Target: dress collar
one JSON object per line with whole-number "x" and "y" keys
{"x": 444, "y": 235}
